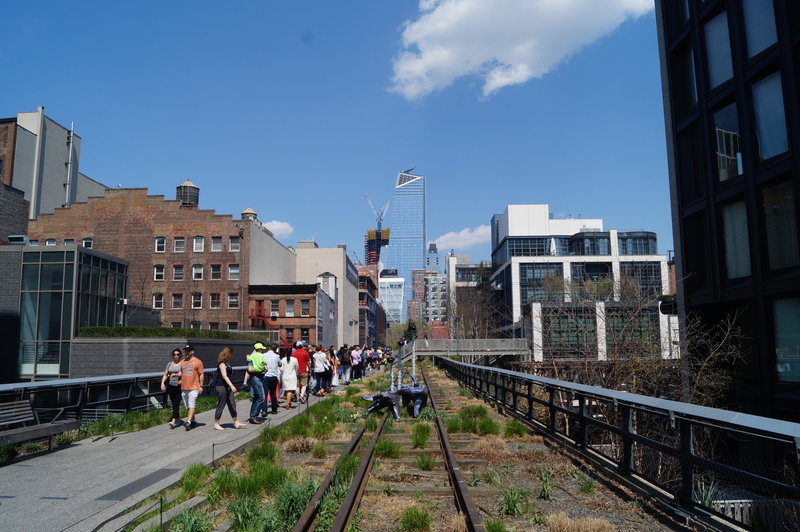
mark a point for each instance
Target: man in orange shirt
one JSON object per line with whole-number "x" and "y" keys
{"x": 191, "y": 383}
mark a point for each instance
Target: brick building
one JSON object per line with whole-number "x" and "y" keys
{"x": 13, "y": 213}
{"x": 190, "y": 264}
{"x": 297, "y": 311}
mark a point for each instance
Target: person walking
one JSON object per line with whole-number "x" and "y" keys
{"x": 191, "y": 383}
{"x": 320, "y": 358}
{"x": 225, "y": 390}
{"x": 346, "y": 363}
{"x": 334, "y": 361}
{"x": 289, "y": 374}
{"x": 255, "y": 370}
{"x": 273, "y": 364}
{"x": 303, "y": 362}
{"x": 171, "y": 384}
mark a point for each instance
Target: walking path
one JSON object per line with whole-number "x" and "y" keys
{"x": 80, "y": 487}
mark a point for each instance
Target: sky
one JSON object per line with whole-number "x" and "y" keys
{"x": 298, "y": 109}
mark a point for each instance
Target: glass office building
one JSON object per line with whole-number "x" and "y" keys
{"x": 406, "y": 250}
{"x": 391, "y": 289}
{"x": 731, "y": 76}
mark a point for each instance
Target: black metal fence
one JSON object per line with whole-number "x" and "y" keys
{"x": 726, "y": 466}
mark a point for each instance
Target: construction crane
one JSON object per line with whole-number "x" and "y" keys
{"x": 378, "y": 216}
{"x": 373, "y": 252}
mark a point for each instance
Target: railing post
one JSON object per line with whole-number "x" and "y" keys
{"x": 552, "y": 406}
{"x": 530, "y": 400}
{"x": 514, "y": 393}
{"x": 582, "y": 436}
{"x": 627, "y": 465}
{"x": 687, "y": 469}
{"x": 129, "y": 399}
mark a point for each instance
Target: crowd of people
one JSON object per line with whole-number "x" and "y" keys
{"x": 297, "y": 371}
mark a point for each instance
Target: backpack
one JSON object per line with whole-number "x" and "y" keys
{"x": 346, "y": 358}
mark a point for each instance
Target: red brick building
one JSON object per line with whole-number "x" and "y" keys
{"x": 296, "y": 311}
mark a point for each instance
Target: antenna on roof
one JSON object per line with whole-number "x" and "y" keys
{"x": 409, "y": 170}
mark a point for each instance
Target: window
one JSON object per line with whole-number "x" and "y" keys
{"x": 33, "y": 243}
{"x": 786, "y": 316}
{"x": 197, "y": 272}
{"x": 233, "y": 300}
{"x": 233, "y": 272}
{"x": 737, "y": 248}
{"x": 213, "y": 325}
{"x": 216, "y": 243}
{"x": 197, "y": 300}
{"x": 304, "y": 334}
{"x": 216, "y": 272}
{"x": 304, "y": 304}
{"x": 274, "y": 307}
{"x": 69, "y": 241}
{"x": 290, "y": 336}
{"x": 87, "y": 243}
{"x": 158, "y": 301}
{"x": 176, "y": 325}
{"x": 177, "y": 301}
{"x": 50, "y": 242}
{"x": 158, "y": 272}
{"x": 198, "y": 244}
{"x": 770, "y": 119}
{"x": 179, "y": 244}
{"x": 728, "y": 151}
{"x": 177, "y": 272}
{"x": 759, "y": 25}
{"x": 289, "y": 308}
{"x": 233, "y": 325}
{"x": 194, "y": 325}
{"x": 718, "y": 50}
{"x": 234, "y": 244}
{"x": 214, "y": 301}
{"x": 160, "y": 244}
{"x": 780, "y": 226}
{"x": 684, "y": 83}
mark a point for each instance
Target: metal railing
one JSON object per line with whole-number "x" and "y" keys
{"x": 96, "y": 397}
{"x": 724, "y": 466}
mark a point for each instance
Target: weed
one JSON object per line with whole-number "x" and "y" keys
{"x": 464, "y": 392}
{"x": 514, "y": 428}
{"x": 268, "y": 475}
{"x": 7, "y": 452}
{"x": 65, "y": 438}
{"x": 265, "y": 451}
{"x": 329, "y": 505}
{"x": 193, "y": 479}
{"x": 31, "y": 447}
{"x": 706, "y": 492}
{"x": 475, "y": 480}
{"x": 492, "y": 477}
{"x": 585, "y": 484}
{"x": 427, "y": 414}
{"x": 415, "y": 519}
{"x": 388, "y": 449}
{"x": 453, "y": 425}
{"x": 319, "y": 450}
{"x": 371, "y": 424}
{"x": 546, "y": 493}
{"x": 473, "y": 412}
{"x": 388, "y": 490}
{"x": 225, "y": 481}
{"x": 512, "y": 502}
{"x": 505, "y": 469}
{"x": 291, "y": 500}
{"x": 190, "y": 520}
{"x": 299, "y": 445}
{"x": 346, "y": 468}
{"x": 270, "y": 434}
{"x": 488, "y": 426}
{"x": 245, "y": 512}
{"x": 495, "y": 525}
{"x": 425, "y": 462}
{"x": 352, "y": 390}
{"x": 420, "y": 435}
{"x": 538, "y": 518}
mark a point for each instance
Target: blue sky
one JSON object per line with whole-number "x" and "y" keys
{"x": 297, "y": 109}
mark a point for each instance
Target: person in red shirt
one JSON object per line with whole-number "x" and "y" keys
{"x": 303, "y": 360}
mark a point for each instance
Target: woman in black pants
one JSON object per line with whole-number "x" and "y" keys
{"x": 171, "y": 383}
{"x": 225, "y": 390}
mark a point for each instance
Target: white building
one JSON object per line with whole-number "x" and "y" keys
{"x": 392, "y": 289}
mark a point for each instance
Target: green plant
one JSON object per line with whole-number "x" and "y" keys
{"x": 319, "y": 450}
{"x": 415, "y": 519}
{"x": 245, "y": 512}
{"x": 427, "y": 414}
{"x": 193, "y": 479}
{"x": 190, "y": 520}
{"x": 452, "y": 425}
{"x": 388, "y": 490}
{"x": 546, "y": 493}
{"x": 706, "y": 492}
{"x": 514, "y": 428}
{"x": 420, "y": 435}
{"x": 291, "y": 500}
{"x": 388, "y": 449}
{"x": 265, "y": 451}
{"x": 474, "y": 480}
{"x": 329, "y": 505}
{"x": 225, "y": 481}
{"x": 352, "y": 390}
{"x": 31, "y": 447}
{"x": 538, "y": 518}
{"x": 346, "y": 467}
{"x": 512, "y": 501}
{"x": 7, "y": 452}
{"x": 492, "y": 477}
{"x": 464, "y": 392}
{"x": 425, "y": 462}
{"x": 268, "y": 475}
{"x": 370, "y": 424}
{"x": 488, "y": 426}
{"x": 585, "y": 484}
{"x": 494, "y": 525}
{"x": 473, "y": 412}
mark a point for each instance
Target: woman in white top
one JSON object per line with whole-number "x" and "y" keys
{"x": 289, "y": 370}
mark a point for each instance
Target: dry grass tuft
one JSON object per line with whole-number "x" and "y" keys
{"x": 456, "y": 523}
{"x": 561, "y": 522}
{"x": 299, "y": 445}
{"x": 491, "y": 443}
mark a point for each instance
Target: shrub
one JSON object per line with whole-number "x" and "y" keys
{"x": 7, "y": 452}
{"x": 425, "y": 462}
{"x": 415, "y": 519}
{"x": 265, "y": 451}
{"x": 387, "y": 449}
{"x": 420, "y": 435}
{"x": 514, "y": 428}
{"x": 319, "y": 450}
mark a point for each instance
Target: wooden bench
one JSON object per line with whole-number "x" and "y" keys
{"x": 19, "y": 422}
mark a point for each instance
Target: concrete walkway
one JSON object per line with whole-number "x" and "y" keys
{"x": 84, "y": 485}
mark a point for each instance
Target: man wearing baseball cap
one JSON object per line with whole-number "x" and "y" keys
{"x": 255, "y": 371}
{"x": 191, "y": 382}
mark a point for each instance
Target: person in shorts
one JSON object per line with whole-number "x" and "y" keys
{"x": 303, "y": 361}
{"x": 191, "y": 383}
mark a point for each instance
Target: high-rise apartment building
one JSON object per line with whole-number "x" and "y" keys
{"x": 406, "y": 251}
{"x": 731, "y": 79}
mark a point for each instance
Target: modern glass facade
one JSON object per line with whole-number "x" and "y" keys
{"x": 391, "y": 291}
{"x": 406, "y": 251}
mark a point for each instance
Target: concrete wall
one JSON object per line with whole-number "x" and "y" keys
{"x": 270, "y": 261}
{"x": 86, "y": 187}
{"x": 97, "y": 357}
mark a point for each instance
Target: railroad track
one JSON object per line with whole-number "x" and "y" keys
{"x": 463, "y": 502}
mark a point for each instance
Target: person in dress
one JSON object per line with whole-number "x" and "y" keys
{"x": 289, "y": 371}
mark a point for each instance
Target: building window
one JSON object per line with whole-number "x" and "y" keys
{"x": 69, "y": 241}
{"x": 197, "y": 272}
{"x": 87, "y": 243}
{"x": 177, "y": 272}
{"x": 214, "y": 301}
{"x": 274, "y": 307}
{"x": 290, "y": 336}
{"x": 233, "y": 300}
{"x": 158, "y": 272}
{"x": 179, "y": 244}
{"x": 160, "y": 244}
{"x": 213, "y": 325}
{"x": 786, "y": 316}
{"x": 780, "y": 225}
{"x": 234, "y": 244}
{"x": 683, "y": 80}
{"x": 194, "y": 325}
{"x": 304, "y": 310}
{"x": 50, "y": 242}
{"x": 198, "y": 244}
{"x": 176, "y": 325}
{"x": 737, "y": 248}
{"x": 718, "y": 50}
{"x": 759, "y": 25}
{"x": 158, "y": 301}
{"x": 728, "y": 146}
{"x": 177, "y": 301}
{"x": 216, "y": 272}
{"x": 233, "y": 325}
{"x": 216, "y": 243}
{"x": 289, "y": 308}
{"x": 304, "y": 334}
{"x": 197, "y": 300}
{"x": 770, "y": 117}
{"x": 233, "y": 272}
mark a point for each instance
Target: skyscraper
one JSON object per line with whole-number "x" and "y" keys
{"x": 406, "y": 251}
{"x": 730, "y": 83}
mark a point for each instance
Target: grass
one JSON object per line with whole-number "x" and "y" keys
{"x": 388, "y": 449}
{"x": 190, "y": 520}
{"x": 585, "y": 484}
{"x": 291, "y": 500}
{"x": 7, "y": 452}
{"x": 464, "y": 392}
{"x": 514, "y": 428}
{"x": 425, "y": 462}
{"x": 427, "y": 414}
{"x": 352, "y": 390}
{"x": 31, "y": 447}
{"x": 264, "y": 451}
{"x": 513, "y": 501}
{"x": 494, "y": 525}
{"x": 371, "y": 424}
{"x": 420, "y": 435}
{"x": 193, "y": 479}
{"x": 415, "y": 519}
{"x": 319, "y": 450}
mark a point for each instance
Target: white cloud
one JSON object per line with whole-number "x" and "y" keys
{"x": 505, "y": 42}
{"x": 464, "y": 239}
{"x": 279, "y": 229}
